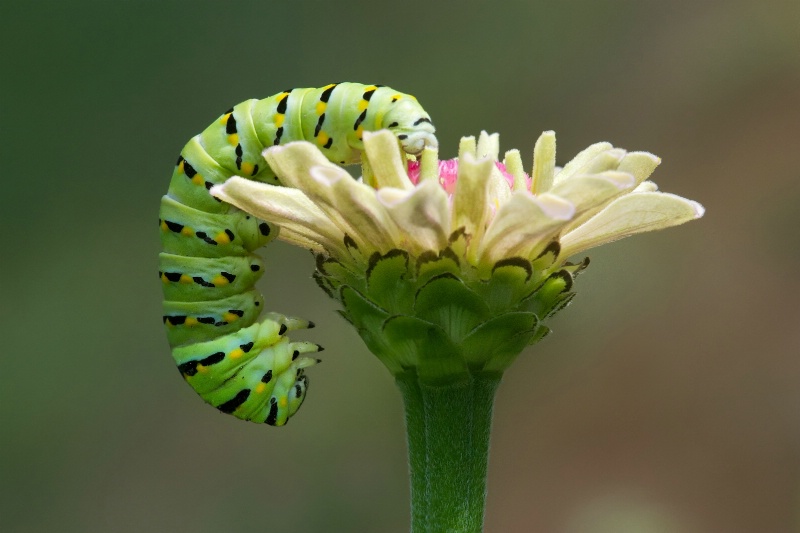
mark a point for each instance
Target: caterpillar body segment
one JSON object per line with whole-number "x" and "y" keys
{"x": 258, "y": 359}
{"x": 208, "y": 278}
{"x": 239, "y": 364}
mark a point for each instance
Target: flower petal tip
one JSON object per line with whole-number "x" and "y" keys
{"x": 555, "y": 207}
{"x": 327, "y": 175}
{"x": 390, "y": 197}
{"x": 276, "y": 149}
{"x": 699, "y": 210}
{"x": 620, "y": 180}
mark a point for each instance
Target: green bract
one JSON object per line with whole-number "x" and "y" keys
{"x": 449, "y": 269}
{"x": 434, "y": 314}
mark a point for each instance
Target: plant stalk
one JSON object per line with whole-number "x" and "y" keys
{"x": 448, "y": 448}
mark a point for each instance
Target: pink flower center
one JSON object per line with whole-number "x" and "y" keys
{"x": 448, "y": 174}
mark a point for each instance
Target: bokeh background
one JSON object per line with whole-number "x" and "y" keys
{"x": 668, "y": 399}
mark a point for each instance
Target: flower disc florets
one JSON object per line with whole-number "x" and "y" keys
{"x": 450, "y": 268}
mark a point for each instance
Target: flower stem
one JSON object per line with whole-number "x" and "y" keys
{"x": 448, "y": 447}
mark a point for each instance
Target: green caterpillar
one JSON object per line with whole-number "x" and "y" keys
{"x": 235, "y": 362}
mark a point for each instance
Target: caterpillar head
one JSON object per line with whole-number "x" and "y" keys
{"x": 411, "y": 124}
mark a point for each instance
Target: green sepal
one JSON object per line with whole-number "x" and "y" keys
{"x": 554, "y": 289}
{"x": 508, "y": 284}
{"x": 561, "y": 302}
{"x": 541, "y": 332}
{"x": 446, "y": 301}
{"x": 547, "y": 257}
{"x": 427, "y": 347}
{"x": 576, "y": 268}
{"x": 387, "y": 281}
{"x": 496, "y": 343}
{"x": 384, "y": 351}
{"x": 459, "y": 241}
{"x": 445, "y": 320}
{"x": 326, "y": 284}
{"x": 368, "y": 319}
{"x": 431, "y": 264}
{"x": 338, "y": 274}
{"x": 360, "y": 311}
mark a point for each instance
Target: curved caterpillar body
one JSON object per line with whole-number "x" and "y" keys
{"x": 235, "y": 362}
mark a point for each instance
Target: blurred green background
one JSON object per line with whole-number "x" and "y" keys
{"x": 668, "y": 399}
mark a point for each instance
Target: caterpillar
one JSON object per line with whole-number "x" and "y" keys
{"x": 237, "y": 361}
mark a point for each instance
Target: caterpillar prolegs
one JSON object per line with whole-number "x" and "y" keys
{"x": 238, "y": 364}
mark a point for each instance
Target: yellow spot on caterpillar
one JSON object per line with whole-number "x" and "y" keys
{"x": 186, "y": 279}
{"x": 360, "y": 132}
{"x": 321, "y": 106}
{"x": 278, "y": 119}
{"x": 222, "y": 238}
{"x": 190, "y": 321}
{"x": 322, "y": 138}
{"x": 233, "y": 139}
{"x": 164, "y": 226}
{"x": 224, "y": 118}
{"x": 283, "y": 402}
{"x": 180, "y": 166}
{"x": 371, "y": 88}
{"x": 328, "y": 86}
{"x": 164, "y": 278}
{"x": 202, "y": 369}
{"x": 220, "y": 281}
{"x": 229, "y": 317}
{"x": 198, "y": 179}
{"x": 362, "y": 105}
{"x": 247, "y": 168}
{"x": 398, "y": 96}
{"x": 187, "y": 231}
{"x": 261, "y": 387}
{"x": 236, "y": 354}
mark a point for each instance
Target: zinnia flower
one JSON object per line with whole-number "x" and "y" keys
{"x": 450, "y": 268}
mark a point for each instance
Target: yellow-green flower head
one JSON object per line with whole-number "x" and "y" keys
{"x": 450, "y": 268}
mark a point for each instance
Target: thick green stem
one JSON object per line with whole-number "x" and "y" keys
{"x": 415, "y": 428}
{"x": 448, "y": 446}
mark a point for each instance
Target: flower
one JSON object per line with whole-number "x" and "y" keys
{"x": 450, "y": 268}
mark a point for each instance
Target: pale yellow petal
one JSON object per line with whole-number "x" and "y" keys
{"x": 544, "y": 163}
{"x": 292, "y": 162}
{"x": 470, "y": 207}
{"x": 422, "y": 215}
{"x": 288, "y": 208}
{"x": 602, "y": 162}
{"x": 386, "y": 160}
{"x": 588, "y": 191}
{"x": 639, "y": 164}
{"x": 580, "y": 160}
{"x": 646, "y": 186}
{"x": 513, "y": 163}
{"x": 353, "y": 205}
{"x": 429, "y": 165}
{"x": 522, "y": 224}
{"x": 629, "y": 215}
{"x": 287, "y": 234}
{"x": 488, "y": 145}
{"x": 467, "y": 145}
{"x": 497, "y": 190}
{"x": 343, "y": 200}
